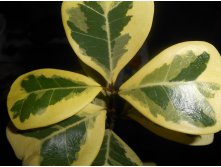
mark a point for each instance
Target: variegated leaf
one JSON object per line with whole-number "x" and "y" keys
{"x": 179, "y": 89}
{"x": 74, "y": 141}
{"x": 193, "y": 140}
{"x": 43, "y": 97}
{"x": 106, "y": 35}
{"x": 115, "y": 152}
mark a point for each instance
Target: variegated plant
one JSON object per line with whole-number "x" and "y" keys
{"x": 57, "y": 119}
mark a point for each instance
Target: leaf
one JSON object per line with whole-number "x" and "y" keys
{"x": 74, "y": 141}
{"x": 115, "y": 152}
{"x": 179, "y": 89}
{"x": 193, "y": 140}
{"x": 43, "y": 97}
{"x": 106, "y": 35}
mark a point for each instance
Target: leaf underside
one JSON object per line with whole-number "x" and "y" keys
{"x": 172, "y": 92}
{"x": 60, "y": 144}
{"x": 114, "y": 152}
{"x": 193, "y": 140}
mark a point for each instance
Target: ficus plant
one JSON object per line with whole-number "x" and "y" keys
{"x": 65, "y": 118}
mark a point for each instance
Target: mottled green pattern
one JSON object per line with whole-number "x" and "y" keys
{"x": 60, "y": 143}
{"x": 207, "y": 89}
{"x": 98, "y": 32}
{"x": 63, "y": 148}
{"x": 171, "y": 91}
{"x": 168, "y": 72}
{"x": 195, "y": 68}
{"x": 113, "y": 152}
{"x": 42, "y": 133}
{"x": 43, "y": 92}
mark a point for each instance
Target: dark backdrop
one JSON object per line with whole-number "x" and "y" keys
{"x": 32, "y": 37}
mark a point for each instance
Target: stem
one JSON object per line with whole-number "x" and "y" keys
{"x": 111, "y": 115}
{"x": 113, "y": 111}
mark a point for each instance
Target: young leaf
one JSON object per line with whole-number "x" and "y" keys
{"x": 106, "y": 35}
{"x": 74, "y": 141}
{"x": 43, "y": 97}
{"x": 193, "y": 140}
{"x": 179, "y": 89}
{"x": 115, "y": 152}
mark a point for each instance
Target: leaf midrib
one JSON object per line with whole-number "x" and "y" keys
{"x": 163, "y": 84}
{"x": 66, "y": 150}
{"x": 61, "y": 129}
{"x": 108, "y": 148}
{"x": 60, "y": 88}
{"x": 108, "y": 40}
{"x": 92, "y": 9}
{"x": 107, "y": 155}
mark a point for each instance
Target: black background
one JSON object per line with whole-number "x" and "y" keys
{"x": 34, "y": 38}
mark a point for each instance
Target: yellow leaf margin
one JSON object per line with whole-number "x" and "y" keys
{"x": 28, "y": 150}
{"x": 57, "y": 112}
{"x": 211, "y": 74}
{"x": 192, "y": 140}
{"x": 138, "y": 28}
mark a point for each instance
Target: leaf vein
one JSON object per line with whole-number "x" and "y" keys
{"x": 56, "y": 82}
{"x": 116, "y": 5}
{"x": 66, "y": 150}
{"x": 71, "y": 87}
{"x": 112, "y": 21}
{"x": 92, "y": 9}
{"x": 108, "y": 41}
{"x": 167, "y": 72}
{"x": 168, "y": 97}
{"x": 49, "y": 101}
{"x": 116, "y": 163}
{"x": 163, "y": 84}
{"x": 91, "y": 36}
{"x": 64, "y": 129}
{"x": 39, "y": 83}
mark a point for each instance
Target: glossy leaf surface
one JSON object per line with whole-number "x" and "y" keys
{"x": 74, "y": 141}
{"x": 115, "y": 152}
{"x": 106, "y": 35}
{"x": 193, "y": 140}
{"x": 179, "y": 89}
{"x": 43, "y": 97}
